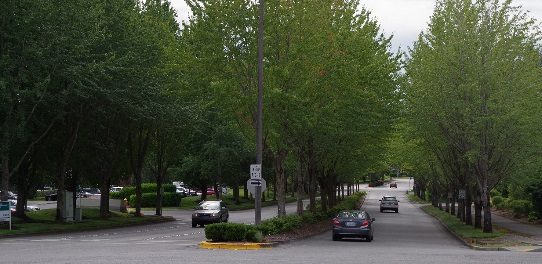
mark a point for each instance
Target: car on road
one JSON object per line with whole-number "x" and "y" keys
{"x": 393, "y": 185}
{"x": 355, "y": 223}
{"x": 389, "y": 203}
{"x": 208, "y": 212}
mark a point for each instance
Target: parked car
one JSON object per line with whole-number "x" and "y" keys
{"x": 182, "y": 191}
{"x": 51, "y": 197}
{"x": 210, "y": 191}
{"x": 208, "y": 212}
{"x": 90, "y": 192}
{"x": 389, "y": 203}
{"x": 115, "y": 189}
{"x": 11, "y": 195}
{"x": 357, "y": 224}
{"x": 393, "y": 185}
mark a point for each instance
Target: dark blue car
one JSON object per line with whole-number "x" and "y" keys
{"x": 356, "y": 224}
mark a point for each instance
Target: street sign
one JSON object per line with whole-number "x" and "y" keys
{"x": 252, "y": 183}
{"x": 256, "y": 171}
{"x": 5, "y": 213}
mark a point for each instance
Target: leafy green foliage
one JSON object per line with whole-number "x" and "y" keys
{"x": 128, "y": 191}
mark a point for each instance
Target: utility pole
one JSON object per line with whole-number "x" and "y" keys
{"x": 259, "y": 123}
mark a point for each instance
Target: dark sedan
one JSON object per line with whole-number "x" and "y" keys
{"x": 357, "y": 224}
{"x": 208, "y": 212}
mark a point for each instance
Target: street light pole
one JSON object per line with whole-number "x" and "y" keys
{"x": 259, "y": 123}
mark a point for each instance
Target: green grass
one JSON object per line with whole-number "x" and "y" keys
{"x": 413, "y": 198}
{"x": 458, "y": 227}
{"x": 44, "y": 222}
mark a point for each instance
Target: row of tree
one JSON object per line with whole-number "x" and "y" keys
{"x": 473, "y": 105}
{"x": 94, "y": 92}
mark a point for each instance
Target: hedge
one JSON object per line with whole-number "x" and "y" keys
{"x": 241, "y": 232}
{"x": 149, "y": 199}
{"x": 232, "y": 232}
{"x": 145, "y": 188}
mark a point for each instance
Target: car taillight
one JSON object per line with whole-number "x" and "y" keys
{"x": 365, "y": 223}
{"x": 336, "y": 222}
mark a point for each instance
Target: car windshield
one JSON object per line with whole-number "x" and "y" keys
{"x": 389, "y": 199}
{"x": 209, "y": 206}
{"x": 360, "y": 215}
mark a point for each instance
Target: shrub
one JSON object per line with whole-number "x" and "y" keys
{"x": 533, "y": 216}
{"x": 520, "y": 207}
{"x": 227, "y": 232}
{"x": 149, "y": 199}
{"x": 494, "y": 193}
{"x": 128, "y": 191}
{"x": 498, "y": 202}
{"x": 254, "y": 235}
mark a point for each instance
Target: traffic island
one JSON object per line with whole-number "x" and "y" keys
{"x": 236, "y": 245}
{"x": 501, "y": 240}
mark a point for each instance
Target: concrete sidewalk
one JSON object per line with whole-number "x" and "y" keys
{"x": 528, "y": 234}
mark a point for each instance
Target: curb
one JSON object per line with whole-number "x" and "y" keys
{"x": 235, "y": 246}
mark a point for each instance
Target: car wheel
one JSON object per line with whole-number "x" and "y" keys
{"x": 336, "y": 238}
{"x": 381, "y": 210}
{"x": 372, "y": 237}
{"x": 194, "y": 224}
{"x": 397, "y": 210}
{"x": 226, "y": 220}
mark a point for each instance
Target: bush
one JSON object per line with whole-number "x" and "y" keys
{"x": 498, "y": 202}
{"x": 145, "y": 188}
{"x": 520, "y": 207}
{"x": 231, "y": 232}
{"x": 494, "y": 193}
{"x": 254, "y": 235}
{"x": 149, "y": 199}
{"x": 533, "y": 216}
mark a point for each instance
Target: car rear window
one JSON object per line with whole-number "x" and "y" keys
{"x": 209, "y": 206}
{"x": 389, "y": 199}
{"x": 360, "y": 215}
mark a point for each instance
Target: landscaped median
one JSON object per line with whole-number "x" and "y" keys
{"x": 472, "y": 237}
{"x": 42, "y": 222}
{"x": 276, "y": 230}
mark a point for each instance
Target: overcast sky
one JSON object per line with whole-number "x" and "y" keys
{"x": 405, "y": 19}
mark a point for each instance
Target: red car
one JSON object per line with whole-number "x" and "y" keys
{"x": 210, "y": 191}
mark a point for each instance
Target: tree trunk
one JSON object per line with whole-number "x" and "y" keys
{"x": 468, "y": 208}
{"x": 280, "y": 178}
{"x": 159, "y": 193}
{"x": 488, "y": 227}
{"x": 477, "y": 210}
{"x": 300, "y": 192}
{"x": 452, "y": 205}
{"x": 137, "y": 159}
{"x": 245, "y": 190}
{"x": 22, "y": 189}
{"x": 105, "y": 184}
{"x": 236, "y": 189}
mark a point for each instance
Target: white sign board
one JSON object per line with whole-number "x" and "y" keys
{"x": 252, "y": 183}
{"x": 5, "y": 213}
{"x": 256, "y": 171}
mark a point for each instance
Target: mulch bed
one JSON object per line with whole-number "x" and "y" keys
{"x": 307, "y": 230}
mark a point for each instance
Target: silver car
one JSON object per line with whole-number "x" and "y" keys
{"x": 208, "y": 212}
{"x": 389, "y": 203}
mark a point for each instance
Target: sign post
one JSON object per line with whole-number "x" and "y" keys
{"x": 5, "y": 213}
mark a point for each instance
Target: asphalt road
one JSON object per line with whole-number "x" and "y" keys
{"x": 407, "y": 237}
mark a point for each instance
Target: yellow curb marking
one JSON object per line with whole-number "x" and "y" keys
{"x": 235, "y": 246}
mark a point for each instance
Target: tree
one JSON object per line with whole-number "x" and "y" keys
{"x": 472, "y": 78}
